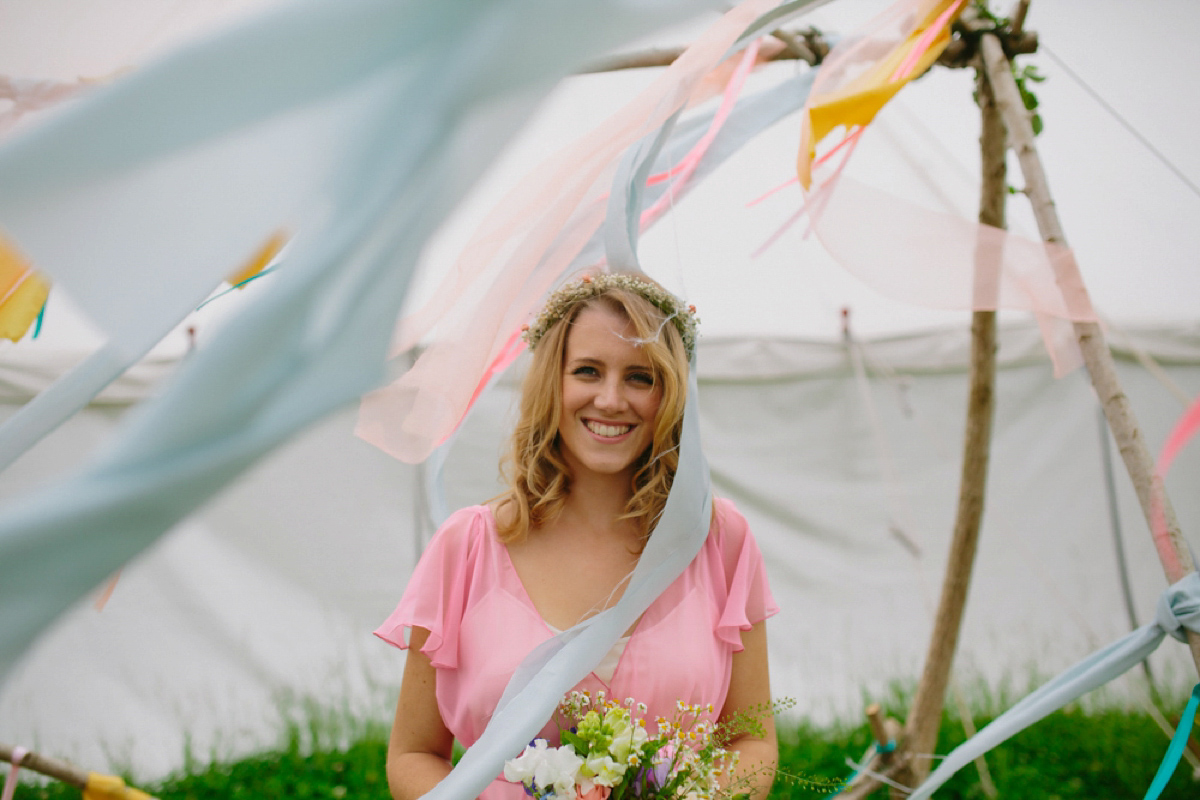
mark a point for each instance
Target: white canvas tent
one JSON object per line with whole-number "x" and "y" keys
{"x": 268, "y": 594}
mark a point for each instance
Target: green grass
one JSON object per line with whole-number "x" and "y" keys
{"x": 1075, "y": 754}
{"x": 1070, "y": 755}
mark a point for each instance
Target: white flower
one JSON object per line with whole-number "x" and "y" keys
{"x": 548, "y": 768}
{"x": 604, "y": 770}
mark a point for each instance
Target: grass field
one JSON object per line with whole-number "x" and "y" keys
{"x": 1072, "y": 755}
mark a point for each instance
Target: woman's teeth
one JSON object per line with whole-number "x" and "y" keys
{"x": 601, "y": 429}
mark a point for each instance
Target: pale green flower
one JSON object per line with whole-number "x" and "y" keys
{"x": 605, "y": 771}
{"x": 627, "y": 739}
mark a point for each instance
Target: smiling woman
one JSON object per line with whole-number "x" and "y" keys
{"x": 592, "y": 461}
{"x": 589, "y": 329}
{"x": 610, "y": 398}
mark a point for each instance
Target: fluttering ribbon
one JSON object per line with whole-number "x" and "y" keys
{"x": 350, "y": 122}
{"x": 708, "y": 143}
{"x": 1178, "y": 609}
{"x": 76, "y": 388}
{"x": 111, "y": 787}
{"x": 10, "y": 783}
{"x": 22, "y": 293}
{"x": 553, "y": 225}
{"x": 1175, "y": 750}
{"x": 855, "y": 96}
{"x": 1183, "y": 431}
{"x": 31, "y": 94}
{"x": 683, "y": 171}
{"x": 558, "y": 664}
{"x": 906, "y": 252}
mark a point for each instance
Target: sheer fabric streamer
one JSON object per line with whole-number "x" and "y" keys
{"x": 348, "y": 122}
{"x": 925, "y": 257}
{"x": 527, "y": 244}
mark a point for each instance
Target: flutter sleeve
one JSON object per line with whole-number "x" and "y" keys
{"x": 438, "y": 591}
{"x": 748, "y": 600}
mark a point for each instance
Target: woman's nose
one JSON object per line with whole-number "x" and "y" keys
{"x": 611, "y": 396}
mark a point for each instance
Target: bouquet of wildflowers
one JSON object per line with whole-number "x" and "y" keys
{"x": 609, "y": 754}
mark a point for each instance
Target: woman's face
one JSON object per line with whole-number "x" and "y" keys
{"x": 609, "y": 396}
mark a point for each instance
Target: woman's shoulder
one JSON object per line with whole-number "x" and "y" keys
{"x": 728, "y": 520}
{"x": 466, "y": 528}
{"x": 730, "y": 532}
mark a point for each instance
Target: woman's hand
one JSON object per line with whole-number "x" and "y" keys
{"x": 420, "y": 745}
{"x": 750, "y": 688}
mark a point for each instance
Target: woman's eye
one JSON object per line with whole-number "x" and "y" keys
{"x": 642, "y": 378}
{"x": 585, "y": 371}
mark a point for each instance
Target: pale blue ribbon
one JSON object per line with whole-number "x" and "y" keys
{"x": 398, "y": 82}
{"x": 1178, "y": 608}
{"x": 551, "y": 670}
{"x": 74, "y": 390}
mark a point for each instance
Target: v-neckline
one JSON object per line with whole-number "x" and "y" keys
{"x": 527, "y": 600}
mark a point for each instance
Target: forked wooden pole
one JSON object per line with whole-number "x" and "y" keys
{"x": 1172, "y": 551}
{"x": 920, "y": 734}
{"x": 912, "y": 762}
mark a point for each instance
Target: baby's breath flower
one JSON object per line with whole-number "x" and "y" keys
{"x": 562, "y": 301}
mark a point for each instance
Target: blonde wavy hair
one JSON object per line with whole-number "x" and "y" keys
{"x": 539, "y": 479}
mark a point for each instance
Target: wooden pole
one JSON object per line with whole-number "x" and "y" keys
{"x": 921, "y": 731}
{"x": 52, "y": 767}
{"x": 808, "y": 46}
{"x": 1172, "y": 551}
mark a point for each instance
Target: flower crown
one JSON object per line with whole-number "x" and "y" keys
{"x": 560, "y": 302}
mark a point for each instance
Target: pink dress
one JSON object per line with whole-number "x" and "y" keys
{"x": 482, "y": 623}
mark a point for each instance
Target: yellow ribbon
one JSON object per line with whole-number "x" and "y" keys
{"x": 110, "y": 787}
{"x": 22, "y": 293}
{"x": 260, "y": 259}
{"x": 856, "y": 103}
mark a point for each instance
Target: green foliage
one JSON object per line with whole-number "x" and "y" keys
{"x": 1024, "y": 77}
{"x": 1072, "y": 755}
{"x": 998, "y": 21}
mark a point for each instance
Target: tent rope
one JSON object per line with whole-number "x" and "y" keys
{"x": 1125, "y": 123}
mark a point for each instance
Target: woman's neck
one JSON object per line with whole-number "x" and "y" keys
{"x": 595, "y": 503}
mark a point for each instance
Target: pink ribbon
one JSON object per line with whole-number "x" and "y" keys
{"x": 1184, "y": 430}
{"x": 850, "y": 139}
{"x": 924, "y": 43}
{"x": 681, "y": 171}
{"x": 508, "y": 354}
{"x": 684, "y": 169}
{"x": 10, "y": 785}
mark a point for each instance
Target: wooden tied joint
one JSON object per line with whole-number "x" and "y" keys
{"x": 886, "y": 732}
